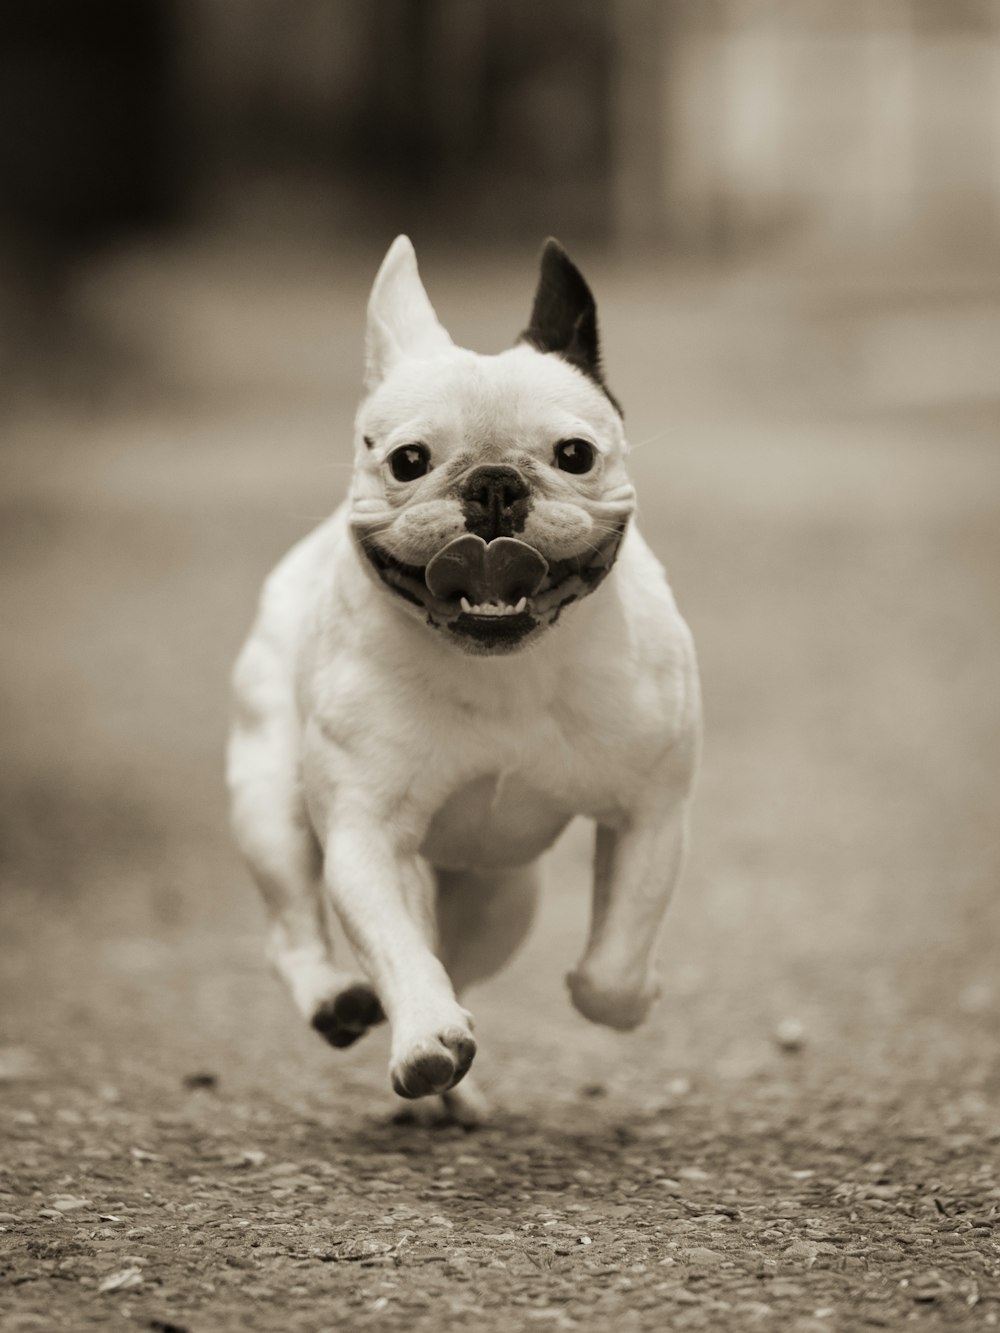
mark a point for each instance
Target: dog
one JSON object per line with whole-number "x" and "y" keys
{"x": 475, "y": 648}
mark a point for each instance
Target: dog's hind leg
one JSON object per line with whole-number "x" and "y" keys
{"x": 274, "y": 834}
{"x": 483, "y": 917}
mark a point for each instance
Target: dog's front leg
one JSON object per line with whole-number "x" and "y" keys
{"x": 635, "y": 870}
{"x": 384, "y": 896}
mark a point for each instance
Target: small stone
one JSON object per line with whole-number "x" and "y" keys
{"x": 801, "y": 1252}
{"x": 702, "y": 1256}
{"x": 693, "y": 1173}
{"x": 929, "y": 1286}
{"x": 68, "y": 1203}
{"x": 789, "y": 1035}
{"x": 201, "y": 1079}
{"x": 124, "y": 1280}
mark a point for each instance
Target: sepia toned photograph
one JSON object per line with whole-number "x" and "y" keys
{"x": 500, "y": 673}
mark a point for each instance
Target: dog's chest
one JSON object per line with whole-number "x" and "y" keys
{"x": 493, "y": 821}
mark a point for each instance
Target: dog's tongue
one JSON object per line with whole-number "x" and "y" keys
{"x": 505, "y": 570}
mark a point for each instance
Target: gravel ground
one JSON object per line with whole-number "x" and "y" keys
{"x": 806, "y": 1135}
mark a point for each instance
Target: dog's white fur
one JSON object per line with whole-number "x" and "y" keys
{"x": 376, "y": 768}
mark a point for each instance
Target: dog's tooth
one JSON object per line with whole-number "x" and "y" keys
{"x": 493, "y": 608}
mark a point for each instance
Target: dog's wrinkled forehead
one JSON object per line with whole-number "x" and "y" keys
{"x": 487, "y": 404}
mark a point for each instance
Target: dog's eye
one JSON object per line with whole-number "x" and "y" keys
{"x": 575, "y": 455}
{"x": 409, "y": 462}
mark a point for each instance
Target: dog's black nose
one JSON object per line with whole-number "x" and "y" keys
{"x": 495, "y": 501}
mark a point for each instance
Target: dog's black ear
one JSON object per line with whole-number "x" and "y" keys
{"x": 564, "y": 315}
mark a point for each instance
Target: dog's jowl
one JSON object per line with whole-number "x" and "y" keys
{"x": 477, "y": 646}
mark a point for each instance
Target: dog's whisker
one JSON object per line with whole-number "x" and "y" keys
{"x": 650, "y": 439}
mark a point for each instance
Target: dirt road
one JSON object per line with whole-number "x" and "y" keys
{"x": 806, "y": 1135}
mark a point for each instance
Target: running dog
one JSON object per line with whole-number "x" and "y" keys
{"x": 477, "y": 646}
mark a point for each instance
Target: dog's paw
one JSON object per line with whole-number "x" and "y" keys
{"x": 348, "y": 1015}
{"x": 433, "y": 1064}
{"x": 614, "y": 1006}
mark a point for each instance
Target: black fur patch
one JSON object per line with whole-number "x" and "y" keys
{"x": 348, "y": 1016}
{"x": 564, "y": 317}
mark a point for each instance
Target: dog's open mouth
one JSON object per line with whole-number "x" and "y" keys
{"x": 494, "y": 595}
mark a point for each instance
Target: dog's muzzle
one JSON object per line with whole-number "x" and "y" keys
{"x": 493, "y": 596}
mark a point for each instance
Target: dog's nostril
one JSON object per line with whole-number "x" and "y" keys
{"x": 496, "y": 501}
{"x": 495, "y": 485}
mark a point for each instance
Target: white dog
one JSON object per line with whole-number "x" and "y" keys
{"x": 477, "y": 646}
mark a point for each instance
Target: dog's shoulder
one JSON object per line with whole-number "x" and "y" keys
{"x": 290, "y": 610}
{"x": 661, "y": 656}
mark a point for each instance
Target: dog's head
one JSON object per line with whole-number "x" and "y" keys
{"x": 489, "y": 492}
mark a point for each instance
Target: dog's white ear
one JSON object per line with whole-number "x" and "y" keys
{"x": 401, "y": 319}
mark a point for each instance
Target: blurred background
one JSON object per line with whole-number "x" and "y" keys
{"x": 790, "y": 213}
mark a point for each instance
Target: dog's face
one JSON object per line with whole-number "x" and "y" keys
{"x": 489, "y": 492}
